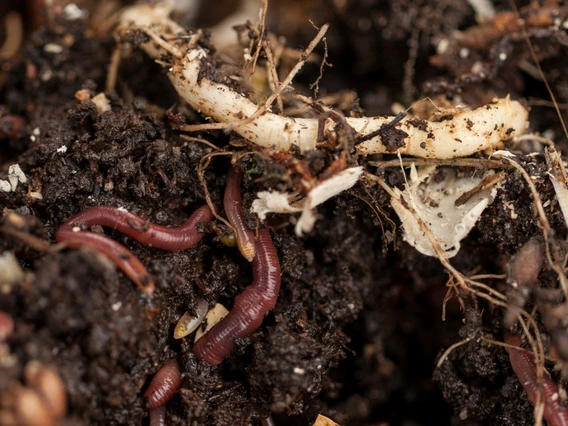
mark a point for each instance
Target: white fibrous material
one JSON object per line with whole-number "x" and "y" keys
{"x": 434, "y": 200}
{"x": 15, "y": 176}
{"x": 274, "y": 202}
{"x": 279, "y": 202}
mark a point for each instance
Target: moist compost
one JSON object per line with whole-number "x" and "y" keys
{"x": 358, "y": 326}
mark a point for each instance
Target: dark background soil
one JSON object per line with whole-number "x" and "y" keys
{"x": 360, "y": 311}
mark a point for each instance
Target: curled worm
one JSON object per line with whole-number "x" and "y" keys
{"x": 172, "y": 239}
{"x": 233, "y": 204}
{"x": 250, "y": 306}
{"x": 164, "y": 385}
{"x": 524, "y": 367}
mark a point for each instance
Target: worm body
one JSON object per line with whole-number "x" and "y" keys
{"x": 162, "y": 237}
{"x": 524, "y": 367}
{"x": 233, "y": 204}
{"x": 158, "y": 416}
{"x": 117, "y": 253}
{"x": 172, "y": 239}
{"x": 164, "y": 385}
{"x": 250, "y": 306}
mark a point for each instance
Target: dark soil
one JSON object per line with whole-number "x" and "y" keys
{"x": 358, "y": 325}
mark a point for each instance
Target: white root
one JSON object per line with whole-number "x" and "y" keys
{"x": 557, "y": 174}
{"x": 465, "y": 133}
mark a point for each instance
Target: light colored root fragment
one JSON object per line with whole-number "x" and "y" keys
{"x": 191, "y": 73}
{"x": 279, "y": 202}
{"x": 213, "y": 317}
{"x": 188, "y": 323}
{"x": 448, "y": 351}
{"x": 557, "y": 174}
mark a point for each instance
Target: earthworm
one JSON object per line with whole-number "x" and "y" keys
{"x": 522, "y": 274}
{"x": 117, "y": 253}
{"x": 524, "y": 367}
{"x": 233, "y": 204}
{"x": 158, "y": 416}
{"x": 250, "y": 306}
{"x": 142, "y": 230}
{"x": 164, "y": 385}
{"x": 172, "y": 239}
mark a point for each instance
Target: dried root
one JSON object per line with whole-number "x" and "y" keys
{"x": 458, "y": 133}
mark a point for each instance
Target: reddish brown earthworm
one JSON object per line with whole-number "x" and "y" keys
{"x": 142, "y": 230}
{"x": 250, "y": 306}
{"x": 524, "y": 367}
{"x": 158, "y": 416}
{"x": 164, "y": 385}
{"x": 172, "y": 239}
{"x": 233, "y": 204}
{"x": 122, "y": 257}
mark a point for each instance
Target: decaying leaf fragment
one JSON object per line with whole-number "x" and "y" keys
{"x": 449, "y": 205}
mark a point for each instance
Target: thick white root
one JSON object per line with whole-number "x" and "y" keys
{"x": 462, "y": 133}
{"x": 465, "y": 132}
